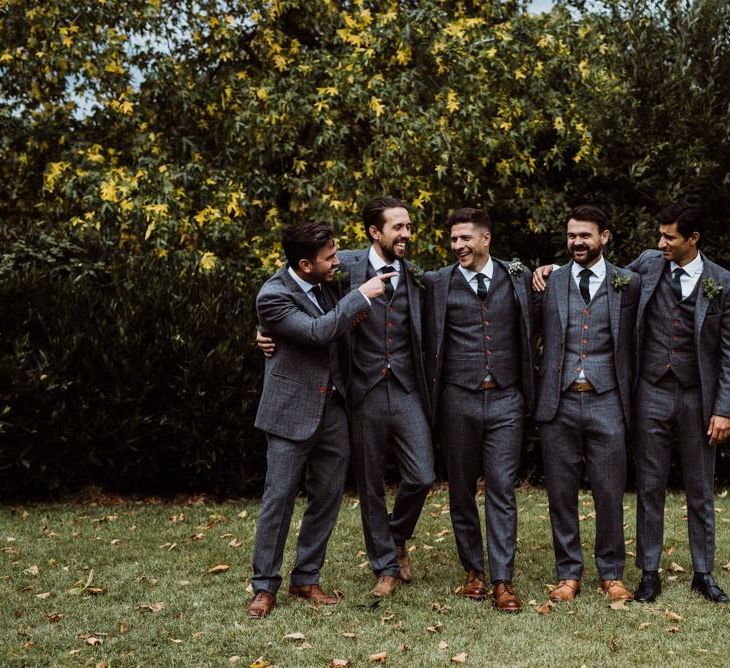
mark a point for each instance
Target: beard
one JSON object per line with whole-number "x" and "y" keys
{"x": 389, "y": 250}
{"x": 590, "y": 255}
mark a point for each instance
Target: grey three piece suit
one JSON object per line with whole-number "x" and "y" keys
{"x": 597, "y": 338}
{"x": 305, "y": 423}
{"x": 684, "y": 379}
{"x": 468, "y": 339}
{"x": 389, "y": 401}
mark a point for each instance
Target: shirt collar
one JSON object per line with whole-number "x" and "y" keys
{"x": 598, "y": 269}
{"x": 692, "y": 268}
{"x": 378, "y": 262}
{"x": 304, "y": 285}
{"x": 487, "y": 270}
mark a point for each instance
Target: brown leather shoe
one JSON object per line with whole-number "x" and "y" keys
{"x": 261, "y": 604}
{"x": 474, "y": 586}
{"x": 505, "y": 599}
{"x": 404, "y": 562}
{"x": 616, "y": 590}
{"x": 566, "y": 590}
{"x": 385, "y": 586}
{"x": 313, "y": 593}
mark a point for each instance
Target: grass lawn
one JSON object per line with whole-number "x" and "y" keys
{"x": 129, "y": 584}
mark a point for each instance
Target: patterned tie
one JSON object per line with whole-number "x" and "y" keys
{"x": 583, "y": 286}
{"x": 481, "y": 286}
{"x": 677, "y": 283}
{"x": 319, "y": 296}
{"x": 388, "y": 285}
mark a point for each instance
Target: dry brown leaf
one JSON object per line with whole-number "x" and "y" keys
{"x": 32, "y": 570}
{"x": 676, "y": 568}
{"x": 618, "y": 605}
{"x": 55, "y": 617}
{"x": 95, "y": 591}
{"x": 389, "y": 614}
{"x": 673, "y": 629}
{"x": 672, "y": 616}
{"x": 44, "y": 595}
{"x": 152, "y": 607}
{"x": 295, "y": 636}
{"x": 93, "y": 640}
{"x": 363, "y": 564}
{"x": 436, "y": 628}
{"x": 644, "y": 625}
{"x": 305, "y": 645}
{"x": 235, "y": 543}
{"x": 234, "y": 659}
{"x": 380, "y": 657}
{"x": 672, "y": 578}
{"x": 349, "y": 635}
{"x": 220, "y": 568}
{"x": 443, "y": 645}
{"x": 459, "y": 658}
{"x": 440, "y": 607}
{"x": 177, "y": 641}
{"x": 339, "y": 663}
{"x": 259, "y": 663}
{"x": 726, "y": 567}
{"x": 123, "y": 628}
{"x": 545, "y": 609}
{"x": 670, "y": 551}
{"x": 102, "y": 664}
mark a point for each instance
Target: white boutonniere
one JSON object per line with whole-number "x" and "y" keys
{"x": 516, "y": 268}
{"x": 619, "y": 282}
{"x": 711, "y": 288}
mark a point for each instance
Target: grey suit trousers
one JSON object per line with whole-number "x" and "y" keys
{"x": 323, "y": 459}
{"x": 665, "y": 413}
{"x": 390, "y": 416}
{"x": 481, "y": 432}
{"x": 590, "y": 426}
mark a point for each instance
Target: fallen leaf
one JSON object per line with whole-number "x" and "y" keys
{"x": 102, "y": 664}
{"x": 440, "y": 607}
{"x": 243, "y": 514}
{"x": 55, "y": 617}
{"x": 152, "y": 607}
{"x": 45, "y": 594}
{"x": 73, "y": 651}
{"x": 672, "y": 616}
{"x": 380, "y": 657}
{"x": 349, "y": 635}
{"x": 672, "y": 578}
{"x": 670, "y": 551}
{"x": 95, "y": 591}
{"x": 363, "y": 564}
{"x": 459, "y": 658}
{"x": 123, "y": 628}
{"x": 259, "y": 663}
{"x": 405, "y": 648}
{"x": 235, "y": 543}
{"x": 305, "y": 645}
{"x": 220, "y": 568}
{"x": 339, "y": 663}
{"x": 294, "y": 636}
{"x": 673, "y": 629}
{"x": 644, "y": 625}
{"x": 184, "y": 583}
{"x": 443, "y": 645}
{"x": 618, "y": 605}
{"x": 32, "y": 570}
{"x": 436, "y": 628}
{"x": 177, "y": 641}
{"x": 726, "y": 567}
{"x": 676, "y": 568}
{"x": 545, "y": 608}
{"x": 93, "y": 640}
{"x": 234, "y": 659}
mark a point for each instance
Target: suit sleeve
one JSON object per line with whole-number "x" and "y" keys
{"x": 722, "y": 400}
{"x": 279, "y": 314}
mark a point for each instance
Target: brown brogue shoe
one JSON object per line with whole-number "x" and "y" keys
{"x": 474, "y": 586}
{"x": 566, "y": 590}
{"x": 261, "y": 604}
{"x": 385, "y": 586}
{"x": 616, "y": 590}
{"x": 505, "y": 599}
{"x": 404, "y": 562}
{"x": 313, "y": 593}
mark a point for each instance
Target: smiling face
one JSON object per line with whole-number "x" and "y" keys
{"x": 391, "y": 242}
{"x": 322, "y": 268}
{"x": 470, "y": 244}
{"x": 586, "y": 242}
{"x": 675, "y": 247}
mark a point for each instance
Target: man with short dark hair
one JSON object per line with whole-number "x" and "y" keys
{"x": 588, "y": 313}
{"x": 302, "y": 410}
{"x": 388, "y": 394}
{"x": 478, "y": 360}
{"x": 683, "y": 392}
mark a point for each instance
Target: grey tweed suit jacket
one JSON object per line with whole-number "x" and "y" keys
{"x": 553, "y": 315}
{"x": 711, "y": 328}
{"x": 437, "y": 292}
{"x": 355, "y": 262}
{"x": 296, "y": 377}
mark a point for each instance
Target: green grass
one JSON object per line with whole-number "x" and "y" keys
{"x": 145, "y": 553}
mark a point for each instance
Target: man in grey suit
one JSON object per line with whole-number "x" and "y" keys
{"x": 302, "y": 410}
{"x": 388, "y": 394}
{"x": 478, "y": 361}
{"x": 588, "y": 314}
{"x": 683, "y": 392}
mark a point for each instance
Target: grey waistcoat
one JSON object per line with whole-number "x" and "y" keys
{"x": 669, "y": 340}
{"x": 481, "y": 338}
{"x": 588, "y": 342}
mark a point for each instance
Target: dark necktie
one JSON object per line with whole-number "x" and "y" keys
{"x": 481, "y": 286}
{"x": 319, "y": 296}
{"x": 583, "y": 286}
{"x": 677, "y": 283}
{"x": 388, "y": 285}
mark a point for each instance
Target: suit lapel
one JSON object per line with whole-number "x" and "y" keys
{"x": 518, "y": 286}
{"x": 298, "y": 294}
{"x": 614, "y": 304}
{"x": 440, "y": 294}
{"x": 414, "y": 302}
{"x": 562, "y": 286}
{"x": 359, "y": 269}
{"x": 702, "y": 303}
{"x": 649, "y": 281}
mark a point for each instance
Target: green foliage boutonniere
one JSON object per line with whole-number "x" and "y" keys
{"x": 516, "y": 268}
{"x": 711, "y": 289}
{"x": 619, "y": 282}
{"x": 417, "y": 275}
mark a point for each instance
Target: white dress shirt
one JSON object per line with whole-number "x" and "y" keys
{"x": 306, "y": 286}
{"x": 378, "y": 263}
{"x": 693, "y": 271}
{"x": 471, "y": 276}
{"x": 598, "y": 276}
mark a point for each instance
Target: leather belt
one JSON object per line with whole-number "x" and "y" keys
{"x": 580, "y": 386}
{"x": 487, "y": 385}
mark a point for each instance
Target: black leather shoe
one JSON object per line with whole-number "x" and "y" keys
{"x": 705, "y": 585}
{"x": 649, "y": 588}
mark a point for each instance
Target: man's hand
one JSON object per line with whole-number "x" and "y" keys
{"x": 266, "y": 345}
{"x": 719, "y": 429}
{"x": 539, "y": 277}
{"x": 376, "y": 285}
